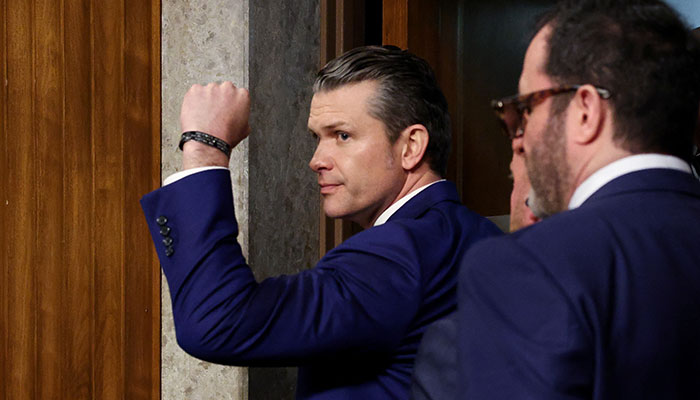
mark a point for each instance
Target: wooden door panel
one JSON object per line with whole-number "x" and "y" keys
{"x": 19, "y": 222}
{"x": 80, "y": 131}
{"x": 141, "y": 111}
{"x": 48, "y": 137}
{"x": 78, "y": 169}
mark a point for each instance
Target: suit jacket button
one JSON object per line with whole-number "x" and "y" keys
{"x": 165, "y": 230}
{"x": 167, "y": 241}
{"x": 169, "y": 251}
{"x": 161, "y": 220}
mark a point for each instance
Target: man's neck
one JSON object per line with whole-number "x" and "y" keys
{"x": 400, "y": 201}
{"x": 414, "y": 182}
{"x": 594, "y": 161}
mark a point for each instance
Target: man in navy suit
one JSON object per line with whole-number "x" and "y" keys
{"x": 352, "y": 323}
{"x": 602, "y": 299}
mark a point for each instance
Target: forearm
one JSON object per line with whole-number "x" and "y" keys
{"x": 195, "y": 155}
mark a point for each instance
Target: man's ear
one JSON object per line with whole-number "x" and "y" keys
{"x": 415, "y": 142}
{"x": 589, "y": 112}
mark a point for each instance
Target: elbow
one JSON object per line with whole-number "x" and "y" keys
{"x": 205, "y": 343}
{"x": 193, "y": 342}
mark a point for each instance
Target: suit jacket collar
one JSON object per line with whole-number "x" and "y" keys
{"x": 440, "y": 191}
{"x": 648, "y": 180}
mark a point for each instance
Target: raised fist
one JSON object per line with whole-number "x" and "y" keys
{"x": 219, "y": 109}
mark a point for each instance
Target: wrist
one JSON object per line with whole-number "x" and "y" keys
{"x": 195, "y": 154}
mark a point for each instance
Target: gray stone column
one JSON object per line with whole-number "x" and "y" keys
{"x": 284, "y": 199}
{"x": 202, "y": 41}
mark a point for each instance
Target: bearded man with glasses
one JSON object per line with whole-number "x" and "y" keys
{"x": 602, "y": 299}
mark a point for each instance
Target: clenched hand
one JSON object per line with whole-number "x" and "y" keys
{"x": 219, "y": 109}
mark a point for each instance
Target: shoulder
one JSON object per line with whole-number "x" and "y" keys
{"x": 559, "y": 251}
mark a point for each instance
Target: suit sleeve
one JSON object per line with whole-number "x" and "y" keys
{"x": 520, "y": 334}
{"x": 360, "y": 298}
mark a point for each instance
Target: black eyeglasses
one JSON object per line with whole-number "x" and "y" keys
{"x": 510, "y": 109}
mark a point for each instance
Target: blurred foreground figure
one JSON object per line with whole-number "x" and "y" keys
{"x": 521, "y": 215}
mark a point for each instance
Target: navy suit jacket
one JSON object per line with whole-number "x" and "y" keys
{"x": 352, "y": 323}
{"x": 435, "y": 372}
{"x": 600, "y": 302}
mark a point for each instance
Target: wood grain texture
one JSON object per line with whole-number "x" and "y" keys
{"x": 48, "y": 133}
{"x": 155, "y": 180}
{"x": 80, "y": 129}
{"x": 4, "y": 199}
{"x": 20, "y": 354}
{"x": 108, "y": 118}
{"x": 395, "y": 23}
{"x": 327, "y": 9}
{"x": 78, "y": 200}
{"x": 138, "y": 156}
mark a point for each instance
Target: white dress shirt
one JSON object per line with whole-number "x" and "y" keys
{"x": 383, "y": 217}
{"x": 621, "y": 167}
{"x": 183, "y": 174}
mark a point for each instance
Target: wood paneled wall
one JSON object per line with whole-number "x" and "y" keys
{"x": 80, "y": 137}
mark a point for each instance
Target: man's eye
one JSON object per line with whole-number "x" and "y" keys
{"x": 343, "y": 136}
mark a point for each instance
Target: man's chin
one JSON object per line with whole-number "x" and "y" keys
{"x": 333, "y": 212}
{"x": 345, "y": 215}
{"x": 535, "y": 204}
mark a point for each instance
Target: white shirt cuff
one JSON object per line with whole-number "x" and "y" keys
{"x": 183, "y": 174}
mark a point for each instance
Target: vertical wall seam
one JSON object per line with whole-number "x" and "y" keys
{"x": 35, "y": 217}
{"x": 6, "y": 245}
{"x": 122, "y": 127}
{"x": 93, "y": 255}
{"x": 64, "y": 251}
{"x": 156, "y": 132}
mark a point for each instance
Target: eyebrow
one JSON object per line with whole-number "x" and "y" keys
{"x": 332, "y": 126}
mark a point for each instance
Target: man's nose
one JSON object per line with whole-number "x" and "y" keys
{"x": 321, "y": 159}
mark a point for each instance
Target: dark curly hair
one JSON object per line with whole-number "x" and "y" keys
{"x": 642, "y": 52}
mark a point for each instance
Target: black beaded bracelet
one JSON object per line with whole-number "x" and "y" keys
{"x": 207, "y": 139}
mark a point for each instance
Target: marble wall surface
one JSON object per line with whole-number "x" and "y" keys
{"x": 271, "y": 47}
{"x": 202, "y": 41}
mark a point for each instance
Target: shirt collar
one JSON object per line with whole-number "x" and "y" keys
{"x": 383, "y": 217}
{"x": 621, "y": 167}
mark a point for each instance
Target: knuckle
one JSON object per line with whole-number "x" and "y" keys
{"x": 244, "y": 95}
{"x": 194, "y": 88}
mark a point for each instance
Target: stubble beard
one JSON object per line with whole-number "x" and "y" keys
{"x": 549, "y": 171}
